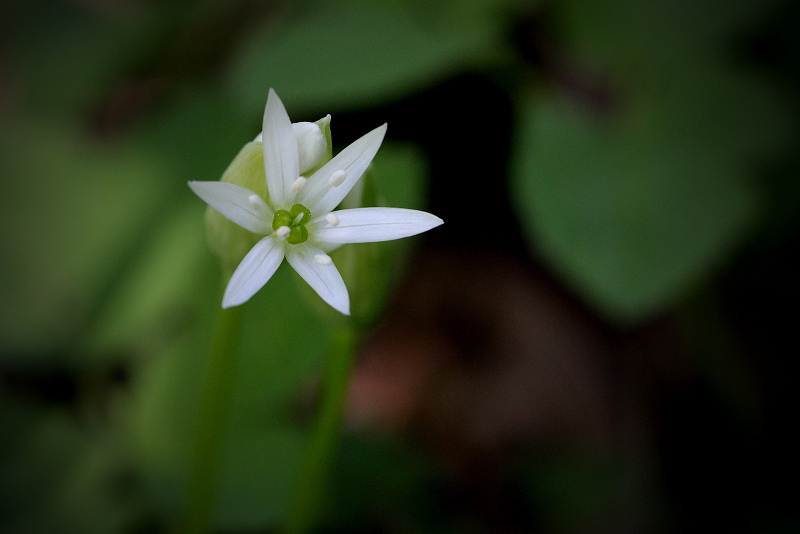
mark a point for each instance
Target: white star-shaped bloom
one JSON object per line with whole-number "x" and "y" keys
{"x": 298, "y": 220}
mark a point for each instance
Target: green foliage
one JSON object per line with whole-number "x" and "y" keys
{"x": 636, "y": 198}
{"x": 82, "y": 485}
{"x": 65, "y": 200}
{"x": 278, "y": 360}
{"x": 345, "y": 53}
{"x": 617, "y": 210}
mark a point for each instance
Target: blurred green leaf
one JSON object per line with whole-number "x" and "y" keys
{"x": 281, "y": 351}
{"x": 72, "y": 55}
{"x": 629, "y": 36}
{"x": 30, "y": 462}
{"x": 375, "y": 479}
{"x": 173, "y": 270}
{"x": 341, "y": 53}
{"x": 630, "y": 218}
{"x": 170, "y": 276}
{"x": 261, "y": 470}
{"x": 401, "y": 176}
{"x": 63, "y": 476}
{"x": 197, "y": 132}
{"x": 70, "y": 211}
{"x": 636, "y": 199}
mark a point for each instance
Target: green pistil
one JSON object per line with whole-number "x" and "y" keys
{"x": 296, "y": 210}
{"x": 295, "y": 219}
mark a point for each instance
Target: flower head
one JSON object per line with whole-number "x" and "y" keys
{"x": 298, "y": 220}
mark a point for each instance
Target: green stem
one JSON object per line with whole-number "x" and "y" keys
{"x": 324, "y": 436}
{"x": 214, "y": 412}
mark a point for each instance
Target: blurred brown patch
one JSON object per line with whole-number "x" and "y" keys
{"x": 482, "y": 352}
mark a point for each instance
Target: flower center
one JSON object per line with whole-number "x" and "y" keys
{"x": 295, "y": 220}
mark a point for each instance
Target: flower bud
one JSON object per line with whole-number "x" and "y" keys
{"x": 311, "y": 145}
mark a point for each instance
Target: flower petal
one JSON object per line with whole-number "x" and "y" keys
{"x": 319, "y": 195}
{"x": 311, "y": 144}
{"x": 253, "y": 272}
{"x": 281, "y": 163}
{"x": 237, "y": 203}
{"x": 324, "y": 279}
{"x": 368, "y": 225}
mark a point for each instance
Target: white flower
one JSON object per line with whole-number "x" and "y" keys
{"x": 298, "y": 220}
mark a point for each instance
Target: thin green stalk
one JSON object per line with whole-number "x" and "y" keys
{"x": 324, "y": 438}
{"x": 213, "y": 416}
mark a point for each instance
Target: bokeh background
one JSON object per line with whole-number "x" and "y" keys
{"x": 600, "y": 338}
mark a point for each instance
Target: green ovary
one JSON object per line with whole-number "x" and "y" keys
{"x": 295, "y": 219}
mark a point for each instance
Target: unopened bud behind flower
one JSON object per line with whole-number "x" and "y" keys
{"x": 311, "y": 145}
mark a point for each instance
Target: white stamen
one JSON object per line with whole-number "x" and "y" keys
{"x": 255, "y": 201}
{"x": 298, "y": 184}
{"x": 298, "y": 218}
{"x": 283, "y": 232}
{"x": 332, "y": 219}
{"x": 323, "y": 259}
{"x": 337, "y": 178}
